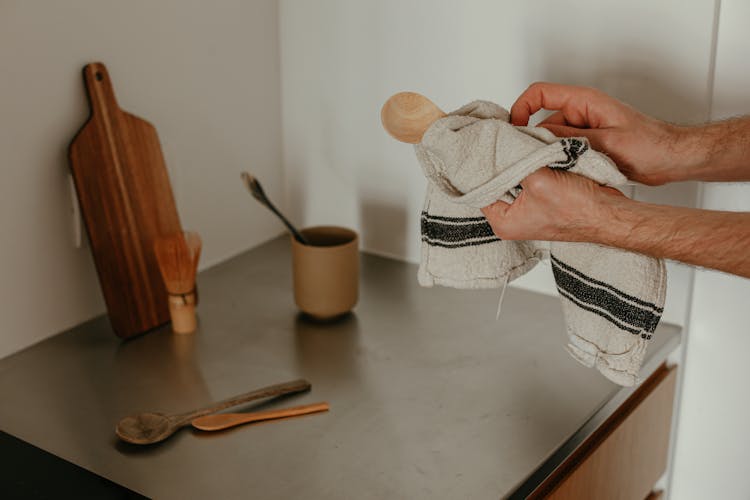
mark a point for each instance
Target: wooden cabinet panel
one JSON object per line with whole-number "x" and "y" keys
{"x": 627, "y": 455}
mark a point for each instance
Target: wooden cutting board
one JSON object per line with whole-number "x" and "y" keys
{"x": 126, "y": 201}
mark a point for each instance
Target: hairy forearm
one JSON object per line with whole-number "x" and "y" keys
{"x": 718, "y": 151}
{"x": 707, "y": 238}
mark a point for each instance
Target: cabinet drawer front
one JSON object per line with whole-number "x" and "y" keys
{"x": 627, "y": 455}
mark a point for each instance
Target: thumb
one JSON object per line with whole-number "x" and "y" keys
{"x": 592, "y": 134}
{"x": 612, "y": 191}
{"x": 495, "y": 211}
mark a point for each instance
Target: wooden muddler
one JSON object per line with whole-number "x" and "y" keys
{"x": 182, "y": 311}
{"x": 178, "y": 255}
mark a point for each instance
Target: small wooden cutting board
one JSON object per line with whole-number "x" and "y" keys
{"x": 126, "y": 201}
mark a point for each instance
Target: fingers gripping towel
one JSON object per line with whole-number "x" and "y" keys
{"x": 612, "y": 299}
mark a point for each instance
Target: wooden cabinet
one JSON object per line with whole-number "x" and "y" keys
{"x": 625, "y": 457}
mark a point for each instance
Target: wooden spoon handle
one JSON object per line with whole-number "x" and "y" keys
{"x": 227, "y": 420}
{"x": 265, "y": 392}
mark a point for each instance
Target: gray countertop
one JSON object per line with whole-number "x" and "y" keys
{"x": 430, "y": 396}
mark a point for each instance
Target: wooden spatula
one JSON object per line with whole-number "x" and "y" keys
{"x": 221, "y": 421}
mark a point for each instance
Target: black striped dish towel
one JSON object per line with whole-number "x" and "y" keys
{"x": 612, "y": 299}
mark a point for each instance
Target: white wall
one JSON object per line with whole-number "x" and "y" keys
{"x": 712, "y": 451}
{"x": 206, "y": 74}
{"x": 340, "y": 60}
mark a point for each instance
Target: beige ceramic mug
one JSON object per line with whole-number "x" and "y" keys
{"x": 326, "y": 272}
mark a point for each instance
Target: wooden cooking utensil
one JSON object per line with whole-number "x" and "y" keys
{"x": 126, "y": 201}
{"x": 222, "y": 421}
{"x": 256, "y": 190}
{"x": 148, "y": 428}
{"x": 178, "y": 255}
{"x": 406, "y": 116}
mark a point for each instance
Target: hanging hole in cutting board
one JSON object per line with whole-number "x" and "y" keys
{"x": 99, "y": 76}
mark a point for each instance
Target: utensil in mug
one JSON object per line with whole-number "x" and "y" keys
{"x": 253, "y": 185}
{"x": 326, "y": 271}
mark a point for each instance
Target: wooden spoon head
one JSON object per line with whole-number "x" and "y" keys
{"x": 145, "y": 428}
{"x": 406, "y": 116}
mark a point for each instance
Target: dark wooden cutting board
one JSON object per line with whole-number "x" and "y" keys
{"x": 126, "y": 201}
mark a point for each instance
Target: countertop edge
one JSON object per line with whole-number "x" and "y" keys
{"x": 561, "y": 454}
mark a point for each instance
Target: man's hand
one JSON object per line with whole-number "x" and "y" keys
{"x": 557, "y": 205}
{"x": 644, "y": 149}
{"x": 560, "y": 206}
{"x": 553, "y": 205}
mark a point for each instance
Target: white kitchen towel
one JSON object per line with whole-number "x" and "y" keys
{"x": 612, "y": 299}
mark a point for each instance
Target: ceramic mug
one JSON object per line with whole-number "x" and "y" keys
{"x": 326, "y": 272}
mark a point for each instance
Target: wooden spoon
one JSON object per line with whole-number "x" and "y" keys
{"x": 406, "y": 116}
{"x": 222, "y": 421}
{"x": 148, "y": 428}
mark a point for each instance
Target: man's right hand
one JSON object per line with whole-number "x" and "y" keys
{"x": 645, "y": 149}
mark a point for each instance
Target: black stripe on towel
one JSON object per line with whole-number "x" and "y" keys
{"x": 456, "y": 231}
{"x": 471, "y": 243}
{"x": 598, "y": 312}
{"x": 573, "y": 148}
{"x": 442, "y": 218}
{"x": 621, "y": 312}
{"x": 617, "y": 291}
